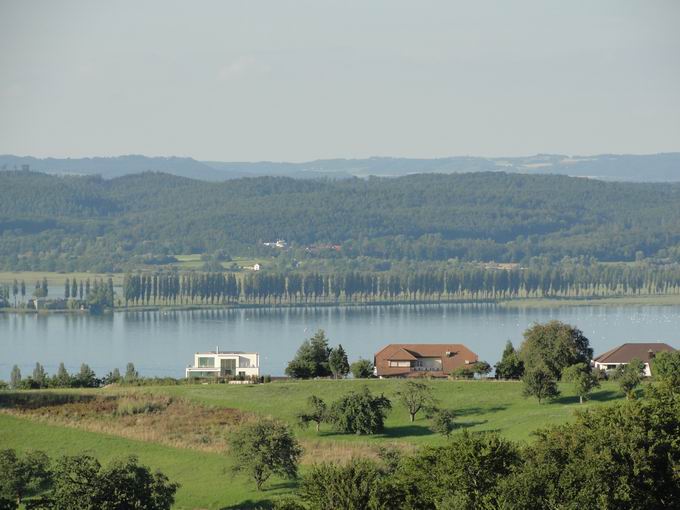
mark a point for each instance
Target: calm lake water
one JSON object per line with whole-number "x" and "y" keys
{"x": 162, "y": 343}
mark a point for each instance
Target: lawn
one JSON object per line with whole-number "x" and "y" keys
{"x": 479, "y": 405}
{"x": 205, "y": 476}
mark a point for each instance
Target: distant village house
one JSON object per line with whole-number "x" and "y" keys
{"x": 624, "y": 354}
{"x": 413, "y": 360}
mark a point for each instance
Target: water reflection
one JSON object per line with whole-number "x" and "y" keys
{"x": 162, "y": 342}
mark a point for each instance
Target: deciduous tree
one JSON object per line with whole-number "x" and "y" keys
{"x": 554, "y": 346}
{"x": 265, "y": 448}
{"x": 583, "y": 379}
{"x": 415, "y": 396}
{"x": 539, "y": 382}
{"x": 316, "y": 412}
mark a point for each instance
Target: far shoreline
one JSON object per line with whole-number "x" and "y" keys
{"x": 517, "y": 303}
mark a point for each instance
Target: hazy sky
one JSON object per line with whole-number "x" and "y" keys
{"x": 297, "y": 80}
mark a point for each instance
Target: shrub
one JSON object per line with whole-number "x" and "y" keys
{"x": 129, "y": 406}
{"x": 360, "y": 412}
{"x": 443, "y": 422}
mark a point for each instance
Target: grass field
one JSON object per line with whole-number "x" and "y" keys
{"x": 194, "y": 262}
{"x": 205, "y": 476}
{"x": 206, "y": 479}
{"x": 479, "y": 405}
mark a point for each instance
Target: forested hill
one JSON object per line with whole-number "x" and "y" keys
{"x": 65, "y": 223}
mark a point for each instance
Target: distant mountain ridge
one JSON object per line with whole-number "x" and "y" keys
{"x": 663, "y": 167}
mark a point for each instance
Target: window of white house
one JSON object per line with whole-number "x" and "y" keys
{"x": 205, "y": 362}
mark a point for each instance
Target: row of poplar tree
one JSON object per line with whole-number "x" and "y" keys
{"x": 465, "y": 284}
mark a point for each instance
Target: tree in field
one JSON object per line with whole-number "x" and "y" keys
{"x": 583, "y": 379}
{"x": 540, "y": 383}
{"x": 416, "y": 396}
{"x": 15, "y": 377}
{"x": 362, "y": 369}
{"x": 61, "y": 379}
{"x": 86, "y": 377}
{"x": 629, "y": 377}
{"x": 22, "y": 475}
{"x": 43, "y": 286}
{"x": 265, "y": 448}
{"x": 39, "y": 376}
{"x": 443, "y": 421}
{"x": 23, "y": 290}
{"x": 510, "y": 366}
{"x": 87, "y": 289}
{"x": 131, "y": 374}
{"x": 74, "y": 289}
{"x": 67, "y": 289}
{"x": 554, "y": 346}
{"x": 337, "y": 362}
{"x": 311, "y": 359}
{"x": 81, "y": 482}
{"x": 666, "y": 368}
{"x": 360, "y": 412}
{"x": 316, "y": 412}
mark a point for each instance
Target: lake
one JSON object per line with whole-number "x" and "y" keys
{"x": 162, "y": 343}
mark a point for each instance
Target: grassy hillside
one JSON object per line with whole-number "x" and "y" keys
{"x": 203, "y": 468}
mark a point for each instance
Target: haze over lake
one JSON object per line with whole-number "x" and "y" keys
{"x": 161, "y": 343}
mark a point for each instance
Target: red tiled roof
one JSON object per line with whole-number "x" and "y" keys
{"x": 401, "y": 355}
{"x": 626, "y": 352}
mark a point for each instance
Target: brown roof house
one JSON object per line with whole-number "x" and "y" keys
{"x": 623, "y": 354}
{"x": 413, "y": 360}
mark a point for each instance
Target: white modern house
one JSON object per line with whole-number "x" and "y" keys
{"x": 224, "y": 364}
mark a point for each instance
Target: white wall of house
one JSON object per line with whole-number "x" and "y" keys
{"x": 614, "y": 366}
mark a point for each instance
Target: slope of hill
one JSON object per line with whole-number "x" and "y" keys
{"x": 49, "y": 222}
{"x": 611, "y": 167}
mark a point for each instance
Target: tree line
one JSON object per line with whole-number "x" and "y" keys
{"x": 463, "y": 284}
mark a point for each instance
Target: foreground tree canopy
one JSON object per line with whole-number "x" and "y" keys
{"x": 81, "y": 482}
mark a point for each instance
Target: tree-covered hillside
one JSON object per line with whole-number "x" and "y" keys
{"x": 67, "y": 223}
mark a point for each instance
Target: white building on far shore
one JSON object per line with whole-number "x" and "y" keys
{"x": 224, "y": 364}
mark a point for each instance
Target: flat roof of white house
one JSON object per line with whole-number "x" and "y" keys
{"x": 225, "y": 352}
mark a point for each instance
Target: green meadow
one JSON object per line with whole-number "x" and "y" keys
{"x": 205, "y": 476}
